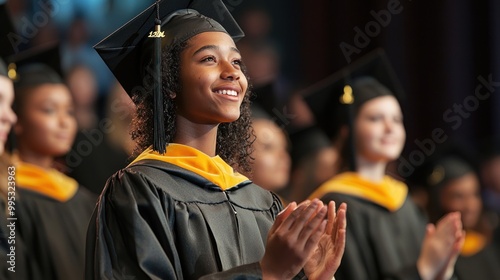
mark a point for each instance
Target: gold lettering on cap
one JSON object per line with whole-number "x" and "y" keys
{"x": 157, "y": 33}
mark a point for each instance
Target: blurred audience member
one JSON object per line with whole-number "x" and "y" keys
{"x": 262, "y": 60}
{"x": 452, "y": 183}
{"x": 490, "y": 175}
{"x": 256, "y": 23}
{"x": 107, "y": 146}
{"x": 271, "y": 161}
{"x": 77, "y": 50}
{"x": 54, "y": 210}
{"x": 82, "y": 85}
{"x": 300, "y": 114}
{"x": 314, "y": 161}
{"x": 120, "y": 111}
{"x": 8, "y": 184}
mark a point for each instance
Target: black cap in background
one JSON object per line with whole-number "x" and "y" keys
{"x": 36, "y": 66}
{"x": 6, "y": 32}
{"x": 306, "y": 142}
{"x": 448, "y": 162}
{"x": 334, "y": 100}
{"x": 328, "y": 96}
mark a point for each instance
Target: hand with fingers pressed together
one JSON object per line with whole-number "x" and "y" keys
{"x": 301, "y": 238}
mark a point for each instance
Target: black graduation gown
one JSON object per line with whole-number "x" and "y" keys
{"x": 379, "y": 244}
{"x": 484, "y": 265}
{"x": 54, "y": 233}
{"x": 11, "y": 268}
{"x": 156, "y": 220}
{"x": 4, "y": 242}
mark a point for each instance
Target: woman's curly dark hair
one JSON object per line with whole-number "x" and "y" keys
{"x": 234, "y": 139}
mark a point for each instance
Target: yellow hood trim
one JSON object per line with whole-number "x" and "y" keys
{"x": 389, "y": 193}
{"x": 214, "y": 169}
{"x": 51, "y": 182}
{"x": 474, "y": 242}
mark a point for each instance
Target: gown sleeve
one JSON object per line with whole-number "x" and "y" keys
{"x": 129, "y": 233}
{"x": 360, "y": 259}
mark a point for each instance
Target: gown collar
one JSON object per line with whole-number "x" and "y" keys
{"x": 473, "y": 243}
{"x": 388, "y": 193}
{"x": 214, "y": 169}
{"x": 48, "y": 182}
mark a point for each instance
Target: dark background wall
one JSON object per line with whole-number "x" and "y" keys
{"x": 441, "y": 50}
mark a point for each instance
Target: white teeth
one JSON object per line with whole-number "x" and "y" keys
{"x": 227, "y": 92}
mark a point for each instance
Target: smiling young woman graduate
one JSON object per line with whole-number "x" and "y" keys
{"x": 180, "y": 210}
{"x": 387, "y": 236}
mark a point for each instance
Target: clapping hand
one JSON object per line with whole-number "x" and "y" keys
{"x": 301, "y": 238}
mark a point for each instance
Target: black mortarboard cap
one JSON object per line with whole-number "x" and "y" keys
{"x": 448, "y": 162}
{"x": 130, "y": 50}
{"x": 334, "y": 99}
{"x": 6, "y": 33}
{"x": 324, "y": 97}
{"x": 36, "y": 66}
{"x": 306, "y": 142}
{"x": 447, "y": 168}
{"x": 6, "y": 30}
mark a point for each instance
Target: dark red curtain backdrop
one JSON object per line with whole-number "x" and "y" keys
{"x": 446, "y": 53}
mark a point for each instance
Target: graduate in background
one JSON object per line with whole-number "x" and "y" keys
{"x": 451, "y": 181}
{"x": 386, "y": 232}
{"x": 270, "y": 162}
{"x": 180, "y": 210}
{"x": 12, "y": 249}
{"x": 7, "y": 119}
{"x": 8, "y": 270}
{"x": 110, "y": 141}
{"x": 7, "y": 115}
{"x": 489, "y": 173}
{"x": 314, "y": 161}
{"x": 53, "y": 209}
